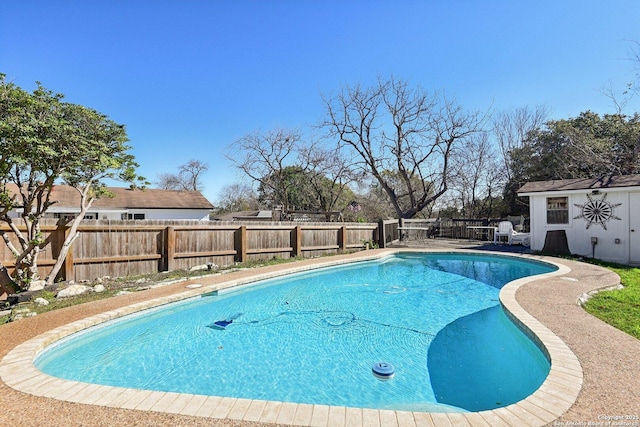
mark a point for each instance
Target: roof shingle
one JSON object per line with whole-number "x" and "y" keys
{"x": 581, "y": 184}
{"x": 150, "y": 198}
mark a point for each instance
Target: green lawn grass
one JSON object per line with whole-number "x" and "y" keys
{"x": 620, "y": 308}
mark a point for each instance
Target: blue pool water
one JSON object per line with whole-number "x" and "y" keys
{"x": 314, "y": 337}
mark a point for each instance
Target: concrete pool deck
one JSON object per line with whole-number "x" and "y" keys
{"x": 602, "y": 377}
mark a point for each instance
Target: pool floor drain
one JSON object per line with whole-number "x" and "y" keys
{"x": 337, "y": 320}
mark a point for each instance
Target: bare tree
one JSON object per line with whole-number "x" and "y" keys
{"x": 191, "y": 173}
{"x": 264, "y": 158}
{"x": 168, "y": 181}
{"x": 394, "y": 130}
{"x": 475, "y": 175}
{"x": 237, "y": 197}
{"x": 188, "y": 178}
{"x": 511, "y": 129}
{"x": 620, "y": 98}
{"x": 633, "y": 88}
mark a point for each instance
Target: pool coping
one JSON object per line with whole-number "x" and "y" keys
{"x": 552, "y": 399}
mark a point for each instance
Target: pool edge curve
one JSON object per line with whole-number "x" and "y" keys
{"x": 553, "y": 398}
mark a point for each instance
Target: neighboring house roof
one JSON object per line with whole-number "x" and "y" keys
{"x": 246, "y": 216}
{"x": 581, "y": 184}
{"x": 232, "y": 215}
{"x": 126, "y": 198}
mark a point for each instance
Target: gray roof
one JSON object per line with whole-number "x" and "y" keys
{"x": 581, "y": 184}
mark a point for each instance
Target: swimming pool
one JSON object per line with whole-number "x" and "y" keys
{"x": 286, "y": 344}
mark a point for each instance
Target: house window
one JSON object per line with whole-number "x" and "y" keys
{"x": 557, "y": 210}
{"x": 63, "y": 216}
{"x": 133, "y": 216}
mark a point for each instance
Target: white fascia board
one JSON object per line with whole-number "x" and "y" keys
{"x": 581, "y": 191}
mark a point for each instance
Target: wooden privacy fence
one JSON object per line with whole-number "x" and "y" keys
{"x": 124, "y": 248}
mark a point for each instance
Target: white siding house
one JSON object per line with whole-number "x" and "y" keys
{"x": 127, "y": 203}
{"x": 601, "y": 217}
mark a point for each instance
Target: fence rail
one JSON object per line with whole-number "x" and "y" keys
{"x": 123, "y": 248}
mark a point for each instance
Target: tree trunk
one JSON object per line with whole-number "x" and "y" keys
{"x": 85, "y": 204}
{"x": 64, "y": 250}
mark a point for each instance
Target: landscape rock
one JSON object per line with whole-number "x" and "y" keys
{"x": 98, "y": 288}
{"x": 41, "y": 301}
{"x": 21, "y": 313}
{"x": 37, "y": 285}
{"x": 72, "y": 291}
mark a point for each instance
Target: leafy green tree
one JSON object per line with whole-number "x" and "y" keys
{"x": 290, "y": 188}
{"x": 586, "y": 146}
{"x": 403, "y": 189}
{"x": 581, "y": 147}
{"x": 330, "y": 195}
{"x": 45, "y": 140}
{"x": 292, "y": 174}
{"x": 329, "y": 176}
{"x": 30, "y": 132}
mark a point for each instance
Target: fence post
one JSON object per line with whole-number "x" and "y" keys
{"x": 170, "y": 248}
{"x": 342, "y": 239}
{"x": 241, "y": 244}
{"x": 296, "y": 241}
{"x": 382, "y": 237}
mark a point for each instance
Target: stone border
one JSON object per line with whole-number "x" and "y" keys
{"x": 554, "y": 397}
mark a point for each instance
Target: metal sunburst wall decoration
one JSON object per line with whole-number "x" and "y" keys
{"x": 597, "y": 211}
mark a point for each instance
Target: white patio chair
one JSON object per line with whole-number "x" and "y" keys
{"x": 505, "y": 229}
{"x": 520, "y": 238}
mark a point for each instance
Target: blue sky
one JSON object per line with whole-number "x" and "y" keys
{"x": 188, "y": 78}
